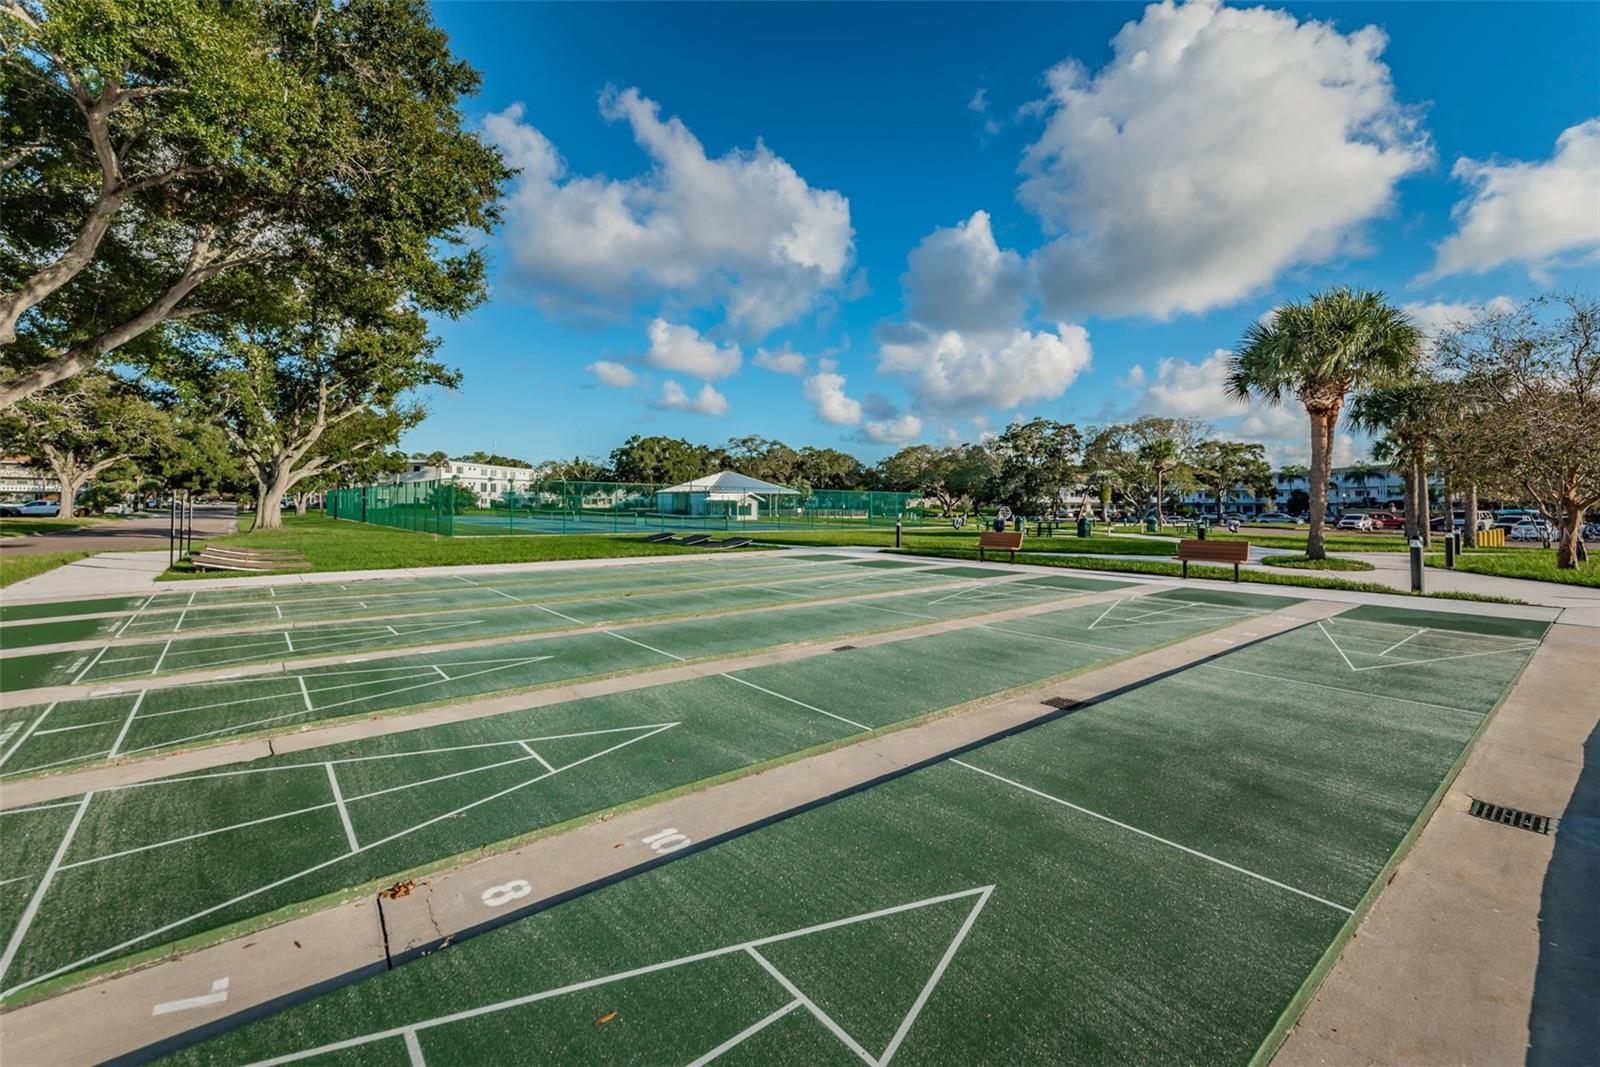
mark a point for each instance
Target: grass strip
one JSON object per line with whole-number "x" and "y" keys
{"x": 1306, "y": 563}
{"x": 17, "y": 566}
{"x": 1529, "y": 564}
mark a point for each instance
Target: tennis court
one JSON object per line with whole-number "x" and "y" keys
{"x": 1150, "y": 878}
{"x": 282, "y": 832}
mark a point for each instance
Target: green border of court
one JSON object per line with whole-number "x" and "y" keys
{"x": 496, "y": 694}
{"x": 244, "y": 927}
{"x": 1292, "y": 1012}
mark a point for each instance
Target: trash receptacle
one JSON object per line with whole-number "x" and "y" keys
{"x": 1083, "y": 527}
{"x": 1016, "y": 523}
{"x": 1200, "y": 530}
{"x": 1152, "y": 525}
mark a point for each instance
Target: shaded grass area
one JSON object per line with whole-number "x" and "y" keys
{"x": 937, "y": 541}
{"x": 1195, "y": 836}
{"x": 331, "y": 545}
{"x": 18, "y": 526}
{"x": 15, "y": 567}
{"x": 1532, "y": 564}
{"x": 1304, "y": 562}
{"x": 1170, "y": 569}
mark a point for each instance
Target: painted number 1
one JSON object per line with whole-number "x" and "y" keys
{"x": 668, "y": 840}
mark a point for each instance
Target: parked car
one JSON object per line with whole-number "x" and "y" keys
{"x": 1356, "y": 522}
{"x": 10, "y": 510}
{"x": 1591, "y": 531}
{"x": 1274, "y": 517}
{"x": 40, "y": 509}
{"x": 1387, "y": 520}
{"x": 1531, "y": 530}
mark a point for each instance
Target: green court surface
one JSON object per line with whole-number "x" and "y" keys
{"x": 520, "y": 614}
{"x": 168, "y": 614}
{"x": 1149, "y": 879}
{"x": 99, "y": 877}
{"x": 36, "y": 738}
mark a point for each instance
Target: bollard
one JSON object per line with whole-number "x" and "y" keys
{"x": 1416, "y": 564}
{"x": 897, "y": 533}
{"x": 1450, "y": 540}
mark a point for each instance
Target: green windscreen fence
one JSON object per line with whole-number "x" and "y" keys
{"x": 461, "y": 510}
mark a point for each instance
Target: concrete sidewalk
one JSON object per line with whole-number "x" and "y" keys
{"x": 140, "y": 532}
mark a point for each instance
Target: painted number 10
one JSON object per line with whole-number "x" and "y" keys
{"x": 668, "y": 840}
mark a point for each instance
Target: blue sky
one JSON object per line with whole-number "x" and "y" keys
{"x": 863, "y": 225}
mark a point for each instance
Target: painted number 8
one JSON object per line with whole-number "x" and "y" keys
{"x": 498, "y": 895}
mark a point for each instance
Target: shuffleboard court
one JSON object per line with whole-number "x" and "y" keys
{"x": 38, "y": 738}
{"x": 395, "y": 600}
{"x": 1148, "y": 880}
{"x": 109, "y": 662}
{"x": 101, "y": 876}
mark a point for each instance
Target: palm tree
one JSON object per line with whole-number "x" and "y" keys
{"x": 1318, "y": 351}
{"x": 1406, "y": 414}
{"x": 1361, "y": 475}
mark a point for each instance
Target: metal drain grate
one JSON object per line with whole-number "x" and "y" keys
{"x": 1522, "y": 820}
{"x": 845, "y": 648}
{"x": 1062, "y": 703}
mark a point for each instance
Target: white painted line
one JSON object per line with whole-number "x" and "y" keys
{"x": 305, "y": 694}
{"x": 508, "y": 596}
{"x": 92, "y": 860}
{"x": 344, "y": 812}
{"x": 179, "y": 624}
{"x": 90, "y": 665}
{"x": 641, "y": 644}
{"x": 163, "y": 657}
{"x": 1443, "y": 659}
{"x": 43, "y": 715}
{"x": 1157, "y": 838}
{"x": 290, "y": 641}
{"x": 1342, "y": 689}
{"x": 196, "y": 592}
{"x": 1104, "y": 613}
{"x": 800, "y": 703}
{"x": 529, "y": 749}
{"x": 933, "y": 979}
{"x": 822, "y": 1017}
{"x": 75, "y": 726}
{"x": 285, "y": 880}
{"x": 440, "y": 671}
{"x": 414, "y": 1049}
{"x": 749, "y": 1031}
{"x": 21, "y": 930}
{"x": 122, "y": 735}
{"x": 279, "y": 609}
{"x": 218, "y": 995}
{"x": 1058, "y": 640}
{"x": 553, "y": 611}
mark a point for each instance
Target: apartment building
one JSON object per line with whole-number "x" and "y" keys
{"x": 489, "y": 480}
{"x": 20, "y": 480}
{"x": 1354, "y": 487}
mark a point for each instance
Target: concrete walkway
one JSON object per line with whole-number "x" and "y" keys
{"x": 140, "y": 532}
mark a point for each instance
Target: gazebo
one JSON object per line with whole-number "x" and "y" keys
{"x": 725, "y": 494}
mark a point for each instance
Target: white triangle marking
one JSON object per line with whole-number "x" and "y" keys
{"x": 982, "y": 894}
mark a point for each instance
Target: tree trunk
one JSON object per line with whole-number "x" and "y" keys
{"x": 1408, "y": 482}
{"x": 1448, "y": 506}
{"x": 1469, "y": 533}
{"x": 1571, "y": 551}
{"x": 67, "y": 484}
{"x": 300, "y": 504}
{"x": 1322, "y": 425}
{"x": 1424, "y": 513}
{"x": 269, "y": 508}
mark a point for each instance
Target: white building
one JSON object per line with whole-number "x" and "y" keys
{"x": 19, "y": 479}
{"x": 1358, "y": 487}
{"x": 490, "y": 481}
{"x": 736, "y": 496}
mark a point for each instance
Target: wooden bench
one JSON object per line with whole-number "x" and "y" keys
{"x": 250, "y": 561}
{"x": 1234, "y": 552}
{"x": 1008, "y": 541}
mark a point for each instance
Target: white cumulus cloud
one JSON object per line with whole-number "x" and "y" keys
{"x": 706, "y": 402}
{"x": 958, "y": 278}
{"x": 744, "y": 231}
{"x": 953, "y": 373}
{"x": 824, "y": 391}
{"x": 1440, "y": 317}
{"x": 897, "y": 430}
{"x": 783, "y": 360}
{"x": 1219, "y": 147}
{"x": 617, "y": 375}
{"x": 683, "y": 349}
{"x": 1536, "y": 214}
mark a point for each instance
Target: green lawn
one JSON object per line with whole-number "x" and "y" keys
{"x": 1306, "y": 563}
{"x": 331, "y": 545}
{"x": 1533, "y": 564}
{"x": 16, "y": 566}
{"x": 25, "y": 527}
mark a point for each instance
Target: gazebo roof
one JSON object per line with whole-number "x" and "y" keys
{"x": 729, "y": 482}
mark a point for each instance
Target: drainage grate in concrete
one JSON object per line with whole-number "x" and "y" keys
{"x": 1522, "y": 820}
